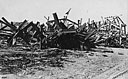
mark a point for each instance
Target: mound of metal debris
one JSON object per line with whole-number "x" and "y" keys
{"x": 64, "y": 33}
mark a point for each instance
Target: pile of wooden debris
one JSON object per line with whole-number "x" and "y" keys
{"x": 64, "y": 33}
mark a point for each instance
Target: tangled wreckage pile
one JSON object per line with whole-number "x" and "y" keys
{"x": 64, "y": 33}
{"x": 52, "y": 38}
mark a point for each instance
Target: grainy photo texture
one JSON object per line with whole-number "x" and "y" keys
{"x": 63, "y": 39}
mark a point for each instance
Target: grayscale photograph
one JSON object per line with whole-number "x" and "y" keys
{"x": 63, "y": 39}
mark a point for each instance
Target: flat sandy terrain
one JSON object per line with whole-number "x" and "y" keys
{"x": 103, "y": 63}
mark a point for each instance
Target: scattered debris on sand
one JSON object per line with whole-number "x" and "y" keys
{"x": 63, "y": 49}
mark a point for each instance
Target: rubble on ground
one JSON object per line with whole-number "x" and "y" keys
{"x": 61, "y": 48}
{"x": 64, "y": 33}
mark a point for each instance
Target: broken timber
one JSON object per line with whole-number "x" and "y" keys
{"x": 64, "y": 33}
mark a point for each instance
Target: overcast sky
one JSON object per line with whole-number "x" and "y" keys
{"x": 35, "y": 10}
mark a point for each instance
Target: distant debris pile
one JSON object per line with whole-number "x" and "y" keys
{"x": 65, "y": 33}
